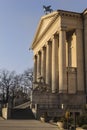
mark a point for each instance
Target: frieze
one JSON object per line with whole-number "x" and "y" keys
{"x": 69, "y": 14}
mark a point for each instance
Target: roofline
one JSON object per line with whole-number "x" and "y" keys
{"x": 85, "y": 11}
{"x": 68, "y": 11}
{"x": 58, "y": 12}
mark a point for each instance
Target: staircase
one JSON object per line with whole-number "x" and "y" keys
{"x": 24, "y": 105}
{"x": 22, "y": 112}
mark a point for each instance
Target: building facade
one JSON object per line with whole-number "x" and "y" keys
{"x": 60, "y": 63}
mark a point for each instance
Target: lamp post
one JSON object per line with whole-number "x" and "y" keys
{"x": 75, "y": 121}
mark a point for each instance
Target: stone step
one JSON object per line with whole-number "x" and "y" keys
{"x": 22, "y": 114}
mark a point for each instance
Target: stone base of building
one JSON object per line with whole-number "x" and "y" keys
{"x": 55, "y": 104}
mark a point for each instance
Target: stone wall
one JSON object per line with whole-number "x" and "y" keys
{"x": 5, "y": 113}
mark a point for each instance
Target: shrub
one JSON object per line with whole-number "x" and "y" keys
{"x": 70, "y": 122}
{"x": 82, "y": 120}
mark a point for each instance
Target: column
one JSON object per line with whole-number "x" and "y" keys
{"x": 38, "y": 64}
{"x": 54, "y": 63}
{"x": 43, "y": 63}
{"x": 85, "y": 53}
{"x": 80, "y": 61}
{"x": 62, "y": 62}
{"x": 35, "y": 69}
{"x": 48, "y": 64}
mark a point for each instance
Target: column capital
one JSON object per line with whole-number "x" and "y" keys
{"x": 54, "y": 36}
{"x": 63, "y": 28}
{"x": 35, "y": 56}
{"x": 43, "y": 47}
{"x": 39, "y": 52}
{"x": 48, "y": 42}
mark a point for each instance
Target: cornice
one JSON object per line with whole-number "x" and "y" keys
{"x": 69, "y": 14}
{"x": 85, "y": 12}
{"x": 49, "y": 15}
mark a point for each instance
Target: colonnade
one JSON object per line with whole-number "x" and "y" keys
{"x": 49, "y": 62}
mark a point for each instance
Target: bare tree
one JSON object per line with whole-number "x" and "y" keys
{"x": 16, "y": 86}
{"x": 27, "y": 78}
{"x": 6, "y": 82}
{"x": 13, "y": 86}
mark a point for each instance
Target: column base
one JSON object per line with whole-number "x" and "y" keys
{"x": 62, "y": 91}
{"x": 55, "y": 91}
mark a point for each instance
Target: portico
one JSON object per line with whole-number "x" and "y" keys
{"x": 55, "y": 58}
{"x": 59, "y": 56}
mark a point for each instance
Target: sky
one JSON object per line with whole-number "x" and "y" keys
{"x": 18, "y": 24}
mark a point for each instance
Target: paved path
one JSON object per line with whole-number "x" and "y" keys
{"x": 25, "y": 125}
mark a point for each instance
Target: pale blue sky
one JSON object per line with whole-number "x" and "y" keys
{"x": 18, "y": 23}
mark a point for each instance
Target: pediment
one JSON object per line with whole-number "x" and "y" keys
{"x": 44, "y": 24}
{"x": 85, "y": 12}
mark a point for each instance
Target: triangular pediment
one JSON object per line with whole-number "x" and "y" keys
{"x": 43, "y": 26}
{"x": 85, "y": 12}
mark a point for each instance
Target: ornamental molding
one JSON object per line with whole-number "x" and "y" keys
{"x": 69, "y": 14}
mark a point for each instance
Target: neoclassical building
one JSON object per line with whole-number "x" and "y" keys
{"x": 60, "y": 64}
